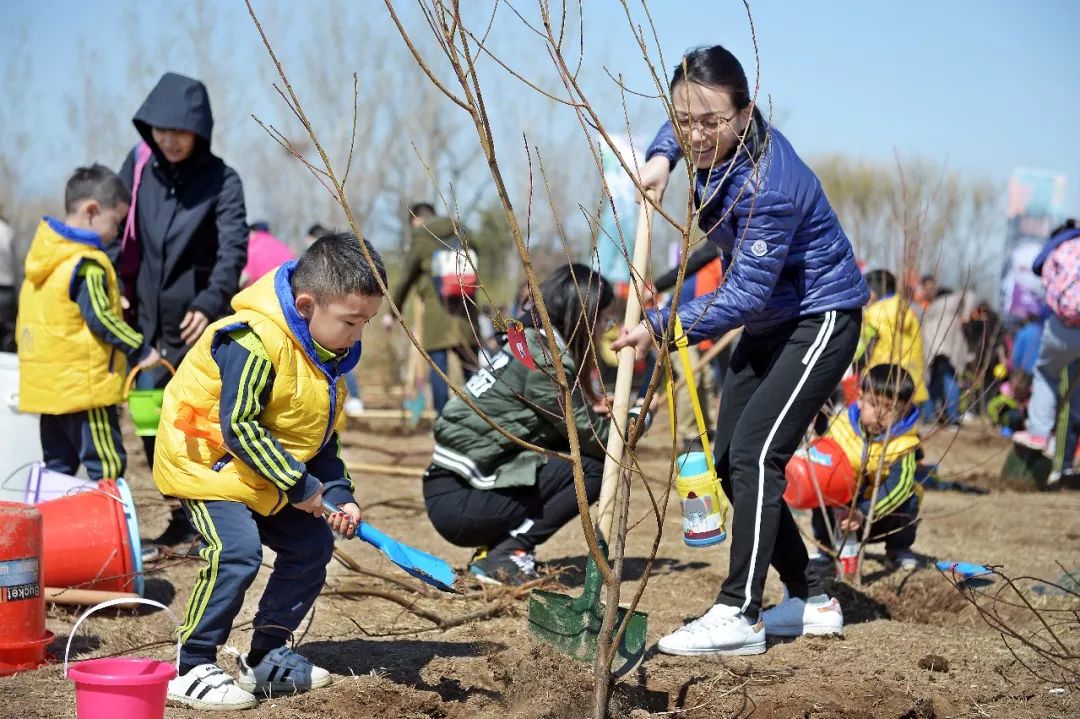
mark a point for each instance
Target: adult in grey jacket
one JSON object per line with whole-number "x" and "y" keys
{"x": 946, "y": 353}
{"x": 483, "y": 490}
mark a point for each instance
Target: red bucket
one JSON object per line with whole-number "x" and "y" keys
{"x": 823, "y": 467}
{"x": 87, "y": 542}
{"x": 23, "y": 636}
{"x": 850, "y": 387}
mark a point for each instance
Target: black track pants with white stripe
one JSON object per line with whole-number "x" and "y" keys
{"x": 775, "y": 386}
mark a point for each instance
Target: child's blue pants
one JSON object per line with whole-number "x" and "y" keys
{"x": 90, "y": 438}
{"x": 234, "y": 537}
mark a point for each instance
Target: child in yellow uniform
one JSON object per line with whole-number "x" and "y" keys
{"x": 879, "y": 436}
{"x": 248, "y": 443}
{"x": 891, "y": 333}
{"x": 74, "y": 346}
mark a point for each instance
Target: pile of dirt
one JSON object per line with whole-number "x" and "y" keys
{"x": 540, "y": 683}
{"x": 374, "y": 696}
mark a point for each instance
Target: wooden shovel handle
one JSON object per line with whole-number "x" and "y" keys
{"x": 86, "y": 597}
{"x": 624, "y": 378}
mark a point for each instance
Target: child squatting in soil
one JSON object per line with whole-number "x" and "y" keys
{"x": 878, "y": 434}
{"x": 74, "y": 346}
{"x": 481, "y": 489}
{"x": 248, "y": 443}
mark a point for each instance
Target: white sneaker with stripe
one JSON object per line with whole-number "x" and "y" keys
{"x": 795, "y": 617}
{"x": 722, "y": 630}
{"x": 209, "y": 688}
{"x": 282, "y": 671}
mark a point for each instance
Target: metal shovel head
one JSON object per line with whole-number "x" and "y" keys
{"x": 423, "y": 566}
{"x": 572, "y": 624}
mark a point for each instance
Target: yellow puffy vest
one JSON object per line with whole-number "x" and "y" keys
{"x": 63, "y": 366}
{"x": 868, "y": 459}
{"x": 301, "y": 414}
{"x": 899, "y": 340}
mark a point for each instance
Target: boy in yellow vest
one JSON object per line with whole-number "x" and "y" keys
{"x": 891, "y": 333}
{"x": 879, "y": 436}
{"x": 74, "y": 346}
{"x": 248, "y": 443}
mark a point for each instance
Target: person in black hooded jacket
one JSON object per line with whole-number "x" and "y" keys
{"x": 190, "y": 221}
{"x": 190, "y": 239}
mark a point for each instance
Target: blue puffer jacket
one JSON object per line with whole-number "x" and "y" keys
{"x": 785, "y": 255}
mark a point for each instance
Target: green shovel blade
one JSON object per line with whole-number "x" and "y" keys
{"x": 572, "y": 624}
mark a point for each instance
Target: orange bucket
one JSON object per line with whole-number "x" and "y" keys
{"x": 823, "y": 467}
{"x": 88, "y": 541}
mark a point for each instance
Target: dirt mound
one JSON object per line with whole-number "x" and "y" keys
{"x": 373, "y": 695}
{"x": 541, "y": 683}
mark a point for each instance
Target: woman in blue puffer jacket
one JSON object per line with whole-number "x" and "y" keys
{"x": 792, "y": 282}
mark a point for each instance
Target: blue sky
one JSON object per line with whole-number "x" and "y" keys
{"x": 980, "y": 87}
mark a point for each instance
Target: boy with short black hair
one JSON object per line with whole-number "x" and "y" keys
{"x": 248, "y": 443}
{"x": 74, "y": 346}
{"x": 878, "y": 433}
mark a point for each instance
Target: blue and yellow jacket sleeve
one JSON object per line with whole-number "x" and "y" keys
{"x": 329, "y": 464}
{"x": 897, "y": 488}
{"x": 90, "y": 292}
{"x": 247, "y": 377}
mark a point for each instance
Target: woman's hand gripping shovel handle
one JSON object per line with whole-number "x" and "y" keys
{"x": 624, "y": 378}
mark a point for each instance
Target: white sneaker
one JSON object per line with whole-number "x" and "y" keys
{"x": 795, "y": 617}
{"x": 282, "y": 671}
{"x": 904, "y": 559}
{"x": 721, "y": 630}
{"x": 354, "y": 407}
{"x": 209, "y": 688}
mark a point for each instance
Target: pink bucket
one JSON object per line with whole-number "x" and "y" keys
{"x": 128, "y": 687}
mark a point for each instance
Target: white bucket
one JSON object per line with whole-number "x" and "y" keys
{"x": 20, "y": 438}
{"x": 43, "y": 484}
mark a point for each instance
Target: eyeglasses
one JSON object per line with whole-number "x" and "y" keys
{"x": 707, "y": 124}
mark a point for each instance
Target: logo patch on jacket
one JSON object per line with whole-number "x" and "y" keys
{"x": 759, "y": 248}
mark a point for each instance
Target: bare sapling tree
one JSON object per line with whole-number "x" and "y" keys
{"x": 465, "y": 47}
{"x": 462, "y": 48}
{"x": 1042, "y": 633}
{"x": 914, "y": 220}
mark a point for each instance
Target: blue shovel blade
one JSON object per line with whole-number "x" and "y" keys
{"x": 425, "y": 567}
{"x": 965, "y": 570}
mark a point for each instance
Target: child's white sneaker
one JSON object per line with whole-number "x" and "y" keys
{"x": 721, "y": 630}
{"x": 795, "y": 617}
{"x": 282, "y": 671}
{"x": 209, "y": 688}
{"x": 902, "y": 559}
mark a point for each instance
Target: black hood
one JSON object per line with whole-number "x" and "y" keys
{"x": 176, "y": 103}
